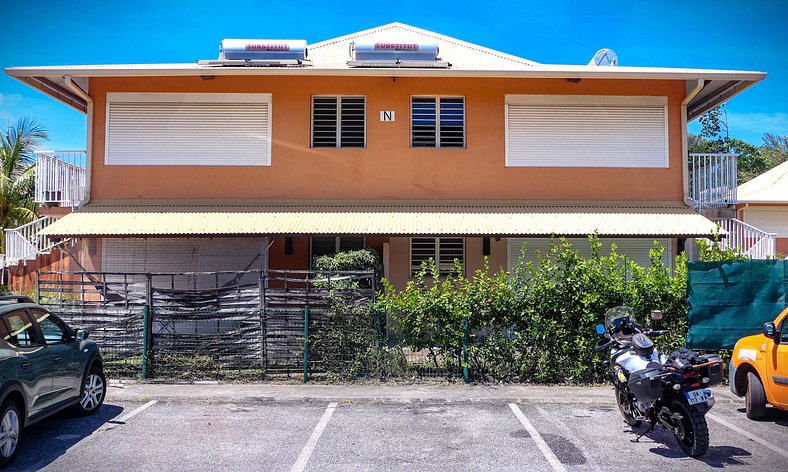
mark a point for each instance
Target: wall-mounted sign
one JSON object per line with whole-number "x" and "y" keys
{"x": 387, "y": 115}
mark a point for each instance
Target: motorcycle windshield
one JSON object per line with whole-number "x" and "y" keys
{"x": 614, "y": 316}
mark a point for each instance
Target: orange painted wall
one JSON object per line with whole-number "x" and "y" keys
{"x": 388, "y": 168}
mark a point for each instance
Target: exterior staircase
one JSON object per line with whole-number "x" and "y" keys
{"x": 25, "y": 243}
{"x": 712, "y": 189}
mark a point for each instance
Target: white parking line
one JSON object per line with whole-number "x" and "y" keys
{"x": 306, "y": 453}
{"x": 136, "y": 411}
{"x": 546, "y": 451}
{"x": 127, "y": 416}
{"x": 747, "y": 435}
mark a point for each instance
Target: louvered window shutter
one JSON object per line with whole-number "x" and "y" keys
{"x": 586, "y": 131}
{"x": 438, "y": 122}
{"x": 188, "y": 129}
{"x": 442, "y": 250}
{"x": 339, "y": 122}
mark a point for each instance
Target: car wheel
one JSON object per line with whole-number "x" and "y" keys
{"x": 10, "y": 432}
{"x": 93, "y": 392}
{"x": 755, "y": 400}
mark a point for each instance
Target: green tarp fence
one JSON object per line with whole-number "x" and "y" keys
{"x": 729, "y": 300}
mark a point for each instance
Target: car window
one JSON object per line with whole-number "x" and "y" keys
{"x": 52, "y": 328}
{"x": 21, "y": 332}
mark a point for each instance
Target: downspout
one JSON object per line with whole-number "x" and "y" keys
{"x": 89, "y": 145}
{"x": 684, "y": 143}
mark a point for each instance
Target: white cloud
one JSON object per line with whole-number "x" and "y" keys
{"x": 751, "y": 126}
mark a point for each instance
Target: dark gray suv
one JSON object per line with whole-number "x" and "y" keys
{"x": 45, "y": 367}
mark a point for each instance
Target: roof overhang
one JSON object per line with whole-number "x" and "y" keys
{"x": 382, "y": 219}
{"x": 720, "y": 86}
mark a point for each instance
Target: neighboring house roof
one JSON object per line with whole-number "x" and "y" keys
{"x": 769, "y": 187}
{"x": 467, "y": 60}
{"x": 639, "y": 219}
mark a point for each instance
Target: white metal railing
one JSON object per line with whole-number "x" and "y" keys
{"x": 712, "y": 180}
{"x": 750, "y": 240}
{"x": 26, "y": 243}
{"x": 60, "y": 177}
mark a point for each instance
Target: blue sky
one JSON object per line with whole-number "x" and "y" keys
{"x": 722, "y": 34}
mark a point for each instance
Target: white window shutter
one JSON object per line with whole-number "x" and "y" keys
{"x": 634, "y": 249}
{"x": 188, "y": 129}
{"x": 582, "y": 132}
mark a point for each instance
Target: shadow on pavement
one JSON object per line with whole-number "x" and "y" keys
{"x": 44, "y": 442}
{"x": 773, "y": 415}
{"x": 717, "y": 456}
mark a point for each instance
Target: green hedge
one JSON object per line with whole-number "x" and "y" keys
{"x": 536, "y": 324}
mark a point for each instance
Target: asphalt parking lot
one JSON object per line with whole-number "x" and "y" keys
{"x": 344, "y": 430}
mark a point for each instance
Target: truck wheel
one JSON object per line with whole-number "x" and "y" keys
{"x": 755, "y": 398}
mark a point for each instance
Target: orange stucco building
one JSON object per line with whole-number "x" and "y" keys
{"x": 465, "y": 155}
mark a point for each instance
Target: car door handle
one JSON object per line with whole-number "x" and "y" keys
{"x": 58, "y": 358}
{"x": 25, "y": 365}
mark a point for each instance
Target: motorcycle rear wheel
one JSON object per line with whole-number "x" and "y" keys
{"x": 692, "y": 432}
{"x": 625, "y": 407}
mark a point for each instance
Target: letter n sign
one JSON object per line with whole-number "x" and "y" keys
{"x": 387, "y": 115}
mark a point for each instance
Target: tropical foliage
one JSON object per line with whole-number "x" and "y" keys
{"x": 17, "y": 176}
{"x": 753, "y": 160}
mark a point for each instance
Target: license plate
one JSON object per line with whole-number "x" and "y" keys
{"x": 699, "y": 396}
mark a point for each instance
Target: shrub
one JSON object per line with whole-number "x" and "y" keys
{"x": 537, "y": 324}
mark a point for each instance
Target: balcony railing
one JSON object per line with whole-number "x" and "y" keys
{"x": 60, "y": 177}
{"x": 26, "y": 242}
{"x": 712, "y": 180}
{"x": 750, "y": 240}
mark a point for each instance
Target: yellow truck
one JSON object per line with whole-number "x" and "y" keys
{"x": 759, "y": 368}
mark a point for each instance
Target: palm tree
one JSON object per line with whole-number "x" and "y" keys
{"x": 18, "y": 173}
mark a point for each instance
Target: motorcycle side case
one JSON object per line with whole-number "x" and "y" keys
{"x": 646, "y": 384}
{"x": 714, "y": 372}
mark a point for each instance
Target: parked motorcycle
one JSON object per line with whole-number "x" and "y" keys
{"x": 672, "y": 391}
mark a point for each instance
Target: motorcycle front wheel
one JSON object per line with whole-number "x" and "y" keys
{"x": 691, "y": 431}
{"x": 626, "y": 408}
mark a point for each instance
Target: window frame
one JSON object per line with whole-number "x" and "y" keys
{"x": 33, "y": 324}
{"x": 338, "y": 137}
{"x": 438, "y": 99}
{"x": 67, "y": 332}
{"x": 436, "y": 257}
{"x": 337, "y": 245}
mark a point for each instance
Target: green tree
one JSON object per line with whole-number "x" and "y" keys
{"x": 17, "y": 179}
{"x": 775, "y": 149}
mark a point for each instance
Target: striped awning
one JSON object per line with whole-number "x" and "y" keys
{"x": 384, "y": 219}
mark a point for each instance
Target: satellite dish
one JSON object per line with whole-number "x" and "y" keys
{"x": 604, "y": 57}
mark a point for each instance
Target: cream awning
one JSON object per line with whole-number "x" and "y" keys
{"x": 385, "y": 219}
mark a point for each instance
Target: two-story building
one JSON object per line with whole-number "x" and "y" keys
{"x": 395, "y": 138}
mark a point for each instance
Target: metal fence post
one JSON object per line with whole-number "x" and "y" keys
{"x": 465, "y": 336}
{"x": 306, "y": 344}
{"x": 145, "y": 335}
{"x": 38, "y": 287}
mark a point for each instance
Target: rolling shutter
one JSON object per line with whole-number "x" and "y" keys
{"x": 770, "y": 220}
{"x": 635, "y": 249}
{"x": 188, "y": 129}
{"x": 174, "y": 255}
{"x": 586, "y": 131}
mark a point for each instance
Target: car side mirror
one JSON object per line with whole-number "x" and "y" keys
{"x": 769, "y": 330}
{"x": 81, "y": 334}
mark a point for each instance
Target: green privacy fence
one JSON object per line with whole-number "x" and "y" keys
{"x": 732, "y": 299}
